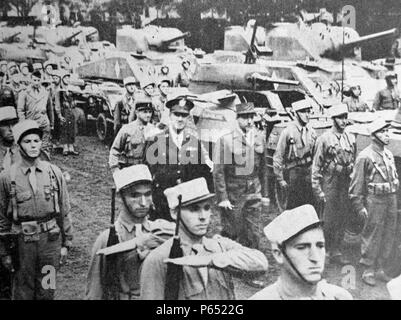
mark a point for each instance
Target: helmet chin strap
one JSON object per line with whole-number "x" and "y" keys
{"x": 25, "y": 155}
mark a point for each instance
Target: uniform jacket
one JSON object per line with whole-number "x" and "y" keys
{"x": 36, "y": 106}
{"x": 32, "y": 206}
{"x": 201, "y": 283}
{"x": 129, "y": 145}
{"x": 355, "y": 105}
{"x": 8, "y": 155}
{"x": 290, "y": 148}
{"x": 122, "y": 111}
{"x": 387, "y": 99}
{"x": 332, "y": 159}
{"x": 240, "y": 166}
{"x": 171, "y": 165}
{"x": 372, "y": 167}
{"x": 129, "y": 263}
{"x": 325, "y": 291}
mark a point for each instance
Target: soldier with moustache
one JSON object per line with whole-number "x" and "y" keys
{"x": 176, "y": 154}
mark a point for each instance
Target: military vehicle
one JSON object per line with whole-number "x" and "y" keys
{"x": 329, "y": 55}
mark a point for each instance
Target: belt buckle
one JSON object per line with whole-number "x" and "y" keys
{"x": 30, "y": 231}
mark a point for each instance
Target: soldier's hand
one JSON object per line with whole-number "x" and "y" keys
{"x": 321, "y": 198}
{"x": 63, "y": 255}
{"x": 197, "y": 261}
{"x": 7, "y": 263}
{"x": 210, "y": 164}
{"x": 62, "y": 119}
{"x": 265, "y": 202}
{"x": 226, "y": 204}
{"x": 283, "y": 185}
{"x": 363, "y": 214}
{"x": 149, "y": 241}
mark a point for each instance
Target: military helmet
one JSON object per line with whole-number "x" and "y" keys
{"x": 377, "y": 125}
{"x": 24, "y": 128}
{"x": 338, "y": 110}
{"x": 129, "y": 80}
{"x": 8, "y": 114}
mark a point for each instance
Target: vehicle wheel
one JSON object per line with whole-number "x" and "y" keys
{"x": 80, "y": 121}
{"x": 101, "y": 127}
{"x": 281, "y": 198}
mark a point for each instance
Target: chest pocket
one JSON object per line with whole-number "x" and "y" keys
{"x": 23, "y": 196}
{"x": 135, "y": 147}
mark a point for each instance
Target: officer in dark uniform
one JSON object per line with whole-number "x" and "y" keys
{"x": 389, "y": 97}
{"x": 175, "y": 155}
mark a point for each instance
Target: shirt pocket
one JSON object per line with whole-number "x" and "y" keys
{"x": 23, "y": 197}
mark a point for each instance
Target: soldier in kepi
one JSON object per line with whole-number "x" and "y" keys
{"x": 373, "y": 192}
{"x": 126, "y": 105}
{"x": 203, "y": 266}
{"x": 298, "y": 246}
{"x": 137, "y": 236}
{"x": 353, "y": 101}
{"x": 34, "y": 210}
{"x": 332, "y": 165}
{"x": 176, "y": 154}
{"x": 241, "y": 182}
{"x": 389, "y": 97}
{"x": 35, "y": 104}
{"x": 292, "y": 159}
{"x": 129, "y": 145}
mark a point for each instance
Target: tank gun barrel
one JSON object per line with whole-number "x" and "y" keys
{"x": 367, "y": 38}
{"x": 90, "y": 34}
{"x": 265, "y": 79}
{"x": 67, "y": 41}
{"x": 166, "y": 43}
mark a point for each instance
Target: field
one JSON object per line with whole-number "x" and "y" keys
{"x": 90, "y": 194}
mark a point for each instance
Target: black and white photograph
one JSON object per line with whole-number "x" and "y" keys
{"x": 225, "y": 150}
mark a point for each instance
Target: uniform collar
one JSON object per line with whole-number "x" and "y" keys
{"x": 130, "y": 226}
{"x": 208, "y": 245}
{"x": 25, "y": 165}
{"x": 299, "y": 126}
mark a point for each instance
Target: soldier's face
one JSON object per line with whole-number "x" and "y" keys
{"x": 144, "y": 115}
{"x": 303, "y": 116}
{"x": 138, "y": 199}
{"x": 31, "y": 144}
{"x": 35, "y": 82}
{"x": 6, "y": 132}
{"x": 341, "y": 122}
{"x": 150, "y": 90}
{"x": 25, "y": 71}
{"x": 164, "y": 88}
{"x": 178, "y": 120}
{"x": 196, "y": 217}
{"x": 130, "y": 88}
{"x": 383, "y": 136}
{"x": 307, "y": 252}
{"x": 246, "y": 121}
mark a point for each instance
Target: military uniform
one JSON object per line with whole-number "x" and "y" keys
{"x": 374, "y": 186}
{"x": 171, "y": 164}
{"x": 129, "y": 145}
{"x": 331, "y": 168}
{"x": 122, "y": 111}
{"x": 8, "y": 156}
{"x": 355, "y": 105}
{"x": 37, "y": 105}
{"x": 293, "y": 157}
{"x": 64, "y": 107}
{"x": 240, "y": 176}
{"x": 325, "y": 291}
{"x": 36, "y": 217}
{"x": 387, "y": 99}
{"x": 203, "y": 283}
{"x": 128, "y": 263}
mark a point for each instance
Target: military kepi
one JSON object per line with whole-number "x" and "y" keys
{"x": 245, "y": 108}
{"x": 378, "y": 125}
{"x": 301, "y": 105}
{"x": 191, "y": 191}
{"x": 292, "y": 223}
{"x": 180, "y": 104}
{"x": 129, "y": 176}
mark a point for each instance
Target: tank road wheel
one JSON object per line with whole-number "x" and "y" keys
{"x": 281, "y": 197}
{"x": 101, "y": 127}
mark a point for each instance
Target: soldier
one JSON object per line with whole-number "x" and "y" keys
{"x": 24, "y": 68}
{"x": 205, "y": 263}
{"x": 353, "y": 100}
{"x": 175, "y": 154}
{"x": 35, "y": 104}
{"x": 161, "y": 111}
{"x": 293, "y": 157}
{"x": 129, "y": 145}
{"x": 34, "y": 204}
{"x": 240, "y": 180}
{"x": 389, "y": 97}
{"x": 133, "y": 227}
{"x": 331, "y": 169}
{"x": 15, "y": 85}
{"x": 373, "y": 193}
{"x": 298, "y": 246}
{"x": 8, "y": 155}
{"x": 126, "y": 105}
{"x": 2, "y": 80}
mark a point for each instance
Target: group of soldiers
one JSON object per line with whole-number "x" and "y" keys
{"x": 158, "y": 247}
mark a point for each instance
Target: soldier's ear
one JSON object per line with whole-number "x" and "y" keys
{"x": 173, "y": 213}
{"x": 277, "y": 254}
